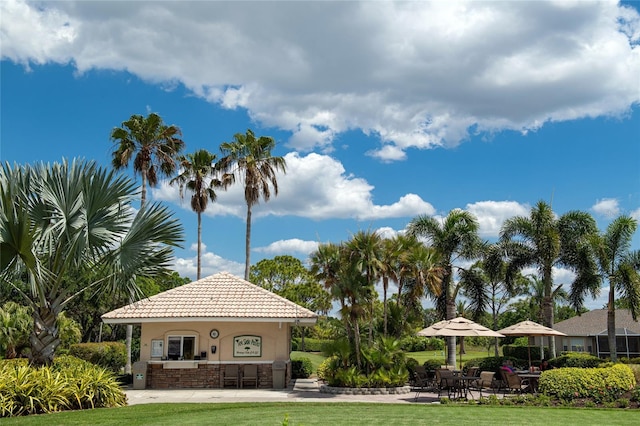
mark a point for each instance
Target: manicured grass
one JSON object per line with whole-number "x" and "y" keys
{"x": 330, "y": 414}
{"x": 315, "y": 358}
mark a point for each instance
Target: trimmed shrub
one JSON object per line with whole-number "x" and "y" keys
{"x": 110, "y": 355}
{"x": 601, "y": 384}
{"x": 432, "y": 364}
{"x": 574, "y": 359}
{"x": 310, "y": 344}
{"x": 522, "y": 352}
{"x": 493, "y": 363}
{"x": 326, "y": 368}
{"x": 301, "y": 368}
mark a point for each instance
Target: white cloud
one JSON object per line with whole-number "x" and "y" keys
{"x": 315, "y": 187}
{"x": 211, "y": 264}
{"x": 635, "y": 214}
{"x": 492, "y": 214}
{"x": 293, "y": 245}
{"x": 416, "y": 74}
{"x": 607, "y": 207}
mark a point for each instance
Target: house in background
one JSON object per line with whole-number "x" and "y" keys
{"x": 201, "y": 334}
{"x": 588, "y": 333}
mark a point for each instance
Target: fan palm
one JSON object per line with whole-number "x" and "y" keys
{"x": 251, "y": 159}
{"x": 197, "y": 176}
{"x": 620, "y": 267}
{"x": 455, "y": 237}
{"x": 62, "y": 220}
{"x": 545, "y": 242}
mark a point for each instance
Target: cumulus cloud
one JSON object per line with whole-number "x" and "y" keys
{"x": 415, "y": 74}
{"x": 607, "y": 207}
{"x": 492, "y": 214}
{"x": 211, "y": 263}
{"x": 294, "y": 245}
{"x": 315, "y": 187}
{"x": 636, "y": 214}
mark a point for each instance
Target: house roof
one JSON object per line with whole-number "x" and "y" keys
{"x": 595, "y": 322}
{"x": 219, "y": 297}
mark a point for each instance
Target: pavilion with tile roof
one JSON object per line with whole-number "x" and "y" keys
{"x": 191, "y": 333}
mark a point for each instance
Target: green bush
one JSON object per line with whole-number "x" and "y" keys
{"x": 69, "y": 384}
{"x": 601, "y": 384}
{"x": 522, "y": 352}
{"x": 420, "y": 344}
{"x": 110, "y": 355}
{"x": 310, "y": 345}
{"x": 301, "y": 368}
{"x": 325, "y": 369}
{"x": 574, "y": 359}
{"x": 432, "y": 364}
{"x": 493, "y": 363}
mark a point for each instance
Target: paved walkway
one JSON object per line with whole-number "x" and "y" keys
{"x": 304, "y": 390}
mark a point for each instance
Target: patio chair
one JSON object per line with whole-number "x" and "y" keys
{"x": 473, "y": 371}
{"x": 421, "y": 380}
{"x": 445, "y": 382}
{"x": 230, "y": 375}
{"x": 484, "y": 382}
{"x": 515, "y": 383}
{"x": 249, "y": 375}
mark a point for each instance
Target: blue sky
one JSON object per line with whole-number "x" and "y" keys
{"x": 383, "y": 110}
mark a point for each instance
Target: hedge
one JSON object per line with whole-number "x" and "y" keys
{"x": 601, "y": 384}
{"x": 110, "y": 355}
{"x": 310, "y": 345}
{"x": 301, "y": 368}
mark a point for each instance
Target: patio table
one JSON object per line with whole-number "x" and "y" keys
{"x": 460, "y": 385}
{"x": 533, "y": 380}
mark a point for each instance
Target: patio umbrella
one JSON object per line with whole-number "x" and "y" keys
{"x": 529, "y": 328}
{"x": 458, "y": 327}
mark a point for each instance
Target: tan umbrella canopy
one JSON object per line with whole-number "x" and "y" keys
{"x": 458, "y": 327}
{"x": 529, "y": 328}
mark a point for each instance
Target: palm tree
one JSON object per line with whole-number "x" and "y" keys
{"x": 251, "y": 158}
{"x": 455, "y": 237}
{"x": 198, "y": 171}
{"x": 154, "y": 147}
{"x": 620, "y": 267}
{"x": 63, "y": 220}
{"x": 484, "y": 284}
{"x": 364, "y": 250}
{"x": 545, "y": 242}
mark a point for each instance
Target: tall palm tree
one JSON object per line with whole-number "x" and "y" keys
{"x": 198, "y": 176}
{"x": 455, "y": 238}
{"x": 484, "y": 284}
{"x": 364, "y": 250}
{"x": 154, "y": 147}
{"x": 621, "y": 268}
{"x": 64, "y": 220}
{"x": 545, "y": 242}
{"x": 251, "y": 159}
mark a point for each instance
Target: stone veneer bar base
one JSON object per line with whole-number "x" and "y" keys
{"x": 364, "y": 391}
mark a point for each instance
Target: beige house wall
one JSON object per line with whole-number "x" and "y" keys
{"x": 275, "y": 339}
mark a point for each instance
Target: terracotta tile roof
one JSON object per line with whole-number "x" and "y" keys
{"x": 595, "y": 322}
{"x": 220, "y": 297}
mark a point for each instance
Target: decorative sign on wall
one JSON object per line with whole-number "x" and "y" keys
{"x": 247, "y": 346}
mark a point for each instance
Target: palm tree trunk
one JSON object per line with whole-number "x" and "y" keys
{"x": 385, "y": 284}
{"x": 611, "y": 324}
{"x": 199, "y": 245}
{"x": 450, "y": 314}
{"x": 44, "y": 337}
{"x": 547, "y": 308}
{"x": 247, "y": 249}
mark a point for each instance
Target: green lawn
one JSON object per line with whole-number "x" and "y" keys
{"x": 330, "y": 414}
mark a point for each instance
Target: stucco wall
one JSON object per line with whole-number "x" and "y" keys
{"x": 275, "y": 339}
